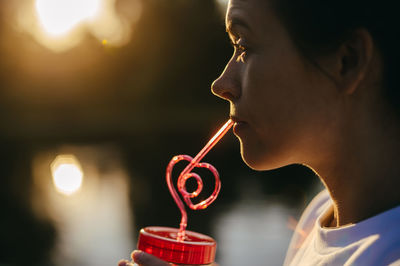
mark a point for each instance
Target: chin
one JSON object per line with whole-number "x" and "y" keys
{"x": 259, "y": 162}
{"x": 261, "y": 165}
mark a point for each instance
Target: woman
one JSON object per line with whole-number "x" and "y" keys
{"x": 314, "y": 82}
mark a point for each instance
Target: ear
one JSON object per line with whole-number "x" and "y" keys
{"x": 353, "y": 61}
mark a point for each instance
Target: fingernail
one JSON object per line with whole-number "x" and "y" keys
{"x": 137, "y": 256}
{"x": 124, "y": 263}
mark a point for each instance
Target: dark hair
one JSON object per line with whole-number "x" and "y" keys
{"x": 320, "y": 26}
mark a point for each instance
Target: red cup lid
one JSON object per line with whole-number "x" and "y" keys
{"x": 162, "y": 242}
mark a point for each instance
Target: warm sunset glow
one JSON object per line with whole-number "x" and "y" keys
{"x": 58, "y": 17}
{"x": 63, "y": 24}
{"x": 67, "y": 174}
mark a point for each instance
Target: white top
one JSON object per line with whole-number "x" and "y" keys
{"x": 374, "y": 241}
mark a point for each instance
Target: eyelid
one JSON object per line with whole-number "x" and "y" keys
{"x": 233, "y": 23}
{"x": 232, "y": 37}
{"x": 237, "y": 41}
{"x": 241, "y": 49}
{"x": 240, "y": 45}
{"x": 233, "y": 42}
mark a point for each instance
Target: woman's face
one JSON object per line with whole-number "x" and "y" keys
{"x": 284, "y": 107}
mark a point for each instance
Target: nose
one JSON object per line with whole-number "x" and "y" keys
{"x": 228, "y": 86}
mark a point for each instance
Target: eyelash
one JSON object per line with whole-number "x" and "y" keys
{"x": 241, "y": 49}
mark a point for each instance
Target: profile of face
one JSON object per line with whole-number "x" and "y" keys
{"x": 283, "y": 106}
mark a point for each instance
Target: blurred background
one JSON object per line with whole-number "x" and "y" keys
{"x": 96, "y": 97}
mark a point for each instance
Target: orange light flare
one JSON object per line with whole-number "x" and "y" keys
{"x": 292, "y": 224}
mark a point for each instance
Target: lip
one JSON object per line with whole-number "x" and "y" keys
{"x": 236, "y": 119}
{"x": 239, "y": 125}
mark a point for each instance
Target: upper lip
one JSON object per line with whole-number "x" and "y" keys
{"x": 236, "y": 119}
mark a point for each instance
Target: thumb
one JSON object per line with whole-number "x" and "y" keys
{"x": 145, "y": 259}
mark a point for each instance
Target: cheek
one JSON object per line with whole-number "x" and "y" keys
{"x": 276, "y": 93}
{"x": 276, "y": 89}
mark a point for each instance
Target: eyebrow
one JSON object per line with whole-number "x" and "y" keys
{"x": 234, "y": 23}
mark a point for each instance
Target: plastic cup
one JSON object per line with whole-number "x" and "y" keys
{"x": 195, "y": 249}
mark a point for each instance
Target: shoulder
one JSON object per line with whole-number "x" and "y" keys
{"x": 384, "y": 251}
{"x": 382, "y": 239}
{"x": 387, "y": 247}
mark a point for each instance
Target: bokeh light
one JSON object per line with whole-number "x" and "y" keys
{"x": 60, "y": 25}
{"x": 67, "y": 174}
{"x": 59, "y": 16}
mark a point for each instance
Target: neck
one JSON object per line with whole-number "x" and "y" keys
{"x": 362, "y": 173}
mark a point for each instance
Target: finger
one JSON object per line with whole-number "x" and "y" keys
{"x": 124, "y": 263}
{"x": 145, "y": 259}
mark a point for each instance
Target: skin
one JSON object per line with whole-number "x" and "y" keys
{"x": 326, "y": 112}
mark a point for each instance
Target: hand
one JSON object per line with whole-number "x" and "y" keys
{"x": 144, "y": 259}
